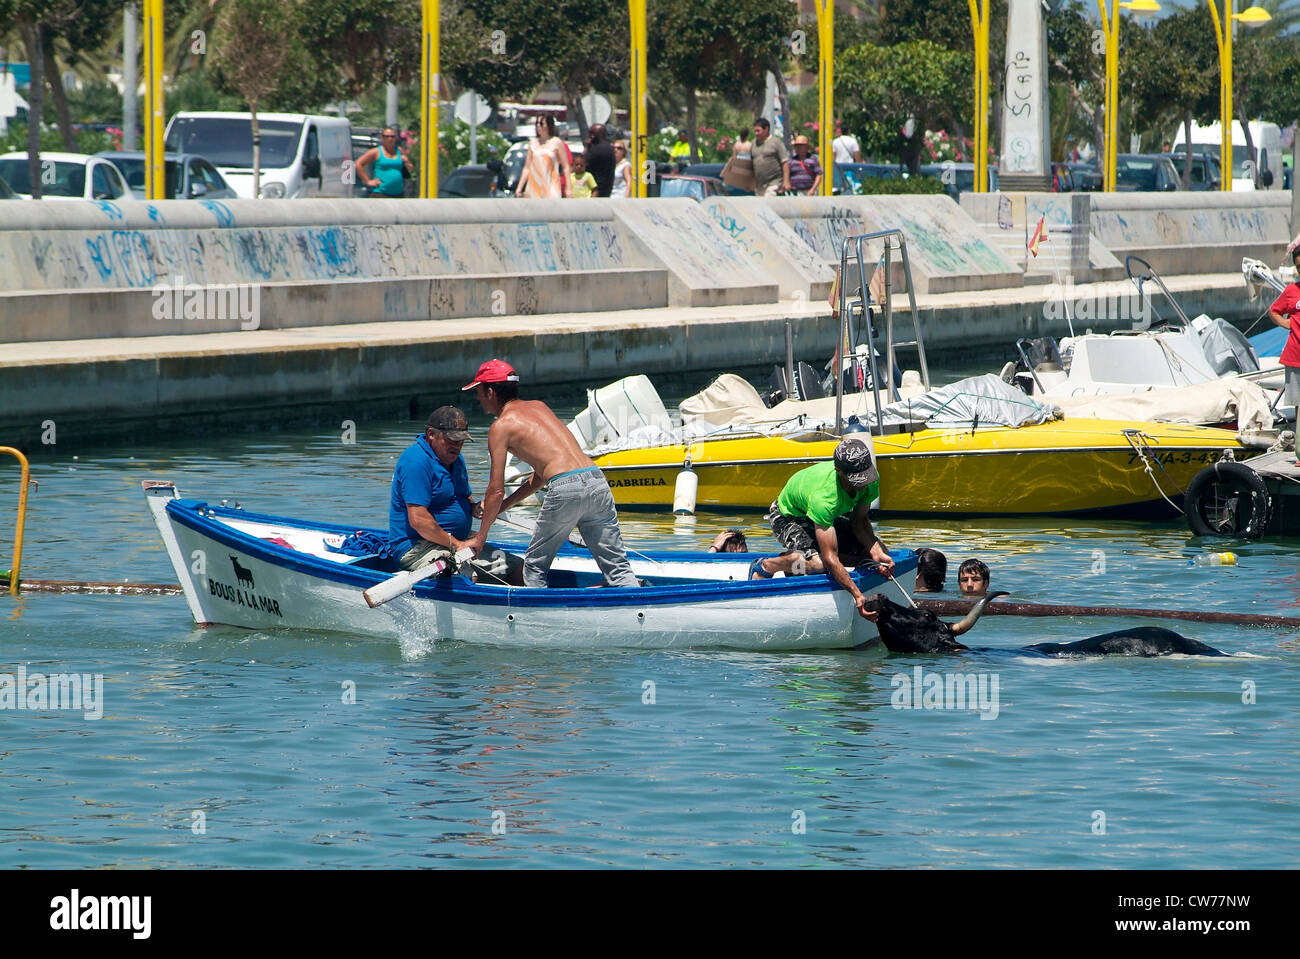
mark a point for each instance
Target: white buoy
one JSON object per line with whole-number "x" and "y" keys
{"x": 684, "y": 490}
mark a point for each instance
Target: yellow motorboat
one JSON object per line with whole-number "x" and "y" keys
{"x": 979, "y": 446}
{"x": 1065, "y": 466}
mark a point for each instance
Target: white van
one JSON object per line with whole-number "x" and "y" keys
{"x": 1267, "y": 140}
{"x": 302, "y": 155}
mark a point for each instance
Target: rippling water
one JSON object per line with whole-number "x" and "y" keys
{"x": 224, "y": 747}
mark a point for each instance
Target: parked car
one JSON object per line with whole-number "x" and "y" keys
{"x": 6, "y": 193}
{"x": 958, "y": 178}
{"x": 713, "y": 171}
{"x": 301, "y": 155}
{"x": 695, "y": 187}
{"x": 1144, "y": 173}
{"x": 1206, "y": 174}
{"x": 67, "y": 176}
{"x": 850, "y": 176}
{"x": 188, "y": 177}
{"x": 466, "y": 181}
{"x": 1086, "y": 176}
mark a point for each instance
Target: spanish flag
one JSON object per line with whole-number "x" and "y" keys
{"x": 1040, "y": 234}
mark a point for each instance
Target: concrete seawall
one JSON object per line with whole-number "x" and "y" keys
{"x": 99, "y": 390}
{"x": 106, "y": 320}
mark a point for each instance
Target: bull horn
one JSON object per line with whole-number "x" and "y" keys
{"x": 973, "y": 616}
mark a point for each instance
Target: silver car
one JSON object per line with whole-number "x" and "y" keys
{"x": 189, "y": 176}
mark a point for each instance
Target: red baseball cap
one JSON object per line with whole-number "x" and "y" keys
{"x": 493, "y": 371}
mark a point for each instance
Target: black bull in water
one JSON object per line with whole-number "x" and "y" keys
{"x": 905, "y": 630}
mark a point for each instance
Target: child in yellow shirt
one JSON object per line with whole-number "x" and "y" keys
{"x": 581, "y": 183}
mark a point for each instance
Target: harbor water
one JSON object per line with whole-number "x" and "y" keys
{"x": 223, "y": 747}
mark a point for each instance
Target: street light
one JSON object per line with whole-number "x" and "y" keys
{"x": 1251, "y": 17}
{"x": 1110, "y": 30}
{"x": 979, "y": 21}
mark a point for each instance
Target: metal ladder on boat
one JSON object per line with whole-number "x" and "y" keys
{"x": 855, "y": 302}
{"x": 14, "y": 572}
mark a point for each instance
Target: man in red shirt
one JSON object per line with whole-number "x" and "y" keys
{"x": 1283, "y": 312}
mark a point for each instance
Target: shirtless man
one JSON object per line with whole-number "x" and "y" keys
{"x": 576, "y": 491}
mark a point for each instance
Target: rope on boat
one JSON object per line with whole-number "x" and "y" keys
{"x": 1138, "y": 440}
{"x": 954, "y": 607}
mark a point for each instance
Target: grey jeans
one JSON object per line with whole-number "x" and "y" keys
{"x": 582, "y": 499}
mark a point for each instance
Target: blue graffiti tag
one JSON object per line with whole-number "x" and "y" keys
{"x": 109, "y": 209}
{"x": 222, "y": 212}
{"x": 101, "y": 254}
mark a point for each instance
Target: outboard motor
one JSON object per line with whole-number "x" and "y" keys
{"x": 805, "y": 386}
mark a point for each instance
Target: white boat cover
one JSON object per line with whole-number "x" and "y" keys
{"x": 985, "y": 400}
{"x": 1226, "y": 348}
{"x": 1202, "y": 404}
{"x": 730, "y": 401}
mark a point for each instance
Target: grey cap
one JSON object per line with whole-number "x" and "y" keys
{"x": 451, "y": 422}
{"x": 853, "y": 459}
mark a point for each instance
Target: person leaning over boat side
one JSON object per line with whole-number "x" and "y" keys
{"x": 576, "y": 491}
{"x": 1283, "y": 312}
{"x": 823, "y": 518}
{"x": 430, "y": 507}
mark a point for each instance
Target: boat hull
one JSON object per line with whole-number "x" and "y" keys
{"x": 1069, "y": 466}
{"x": 232, "y": 577}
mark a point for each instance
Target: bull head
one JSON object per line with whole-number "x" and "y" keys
{"x": 911, "y": 630}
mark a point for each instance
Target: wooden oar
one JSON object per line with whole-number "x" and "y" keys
{"x": 955, "y": 607}
{"x": 399, "y": 584}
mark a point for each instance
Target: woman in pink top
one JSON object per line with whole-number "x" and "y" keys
{"x": 1283, "y": 313}
{"x": 546, "y": 170}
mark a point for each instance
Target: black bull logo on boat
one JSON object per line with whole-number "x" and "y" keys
{"x": 905, "y": 630}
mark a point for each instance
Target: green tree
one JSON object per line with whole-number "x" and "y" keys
{"x": 363, "y": 45}
{"x": 720, "y": 46}
{"x": 1077, "y": 68}
{"x": 884, "y": 88}
{"x": 514, "y": 48}
{"x": 255, "y": 50}
{"x": 1174, "y": 75}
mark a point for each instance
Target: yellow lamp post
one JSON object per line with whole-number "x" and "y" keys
{"x": 979, "y": 20}
{"x": 1110, "y": 30}
{"x": 1252, "y": 17}
{"x": 430, "y": 84}
{"x": 826, "y": 91}
{"x": 637, "y": 110}
{"x": 155, "y": 170}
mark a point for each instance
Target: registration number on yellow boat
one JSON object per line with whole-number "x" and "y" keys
{"x": 1186, "y": 456}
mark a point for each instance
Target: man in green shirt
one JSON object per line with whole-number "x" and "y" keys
{"x": 823, "y": 518}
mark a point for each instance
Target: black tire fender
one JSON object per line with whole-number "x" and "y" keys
{"x": 1254, "y": 501}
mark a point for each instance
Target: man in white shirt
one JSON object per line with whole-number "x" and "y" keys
{"x": 844, "y": 147}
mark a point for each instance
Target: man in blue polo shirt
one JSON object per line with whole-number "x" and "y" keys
{"x": 431, "y": 508}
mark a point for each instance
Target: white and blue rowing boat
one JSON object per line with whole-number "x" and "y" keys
{"x": 241, "y": 568}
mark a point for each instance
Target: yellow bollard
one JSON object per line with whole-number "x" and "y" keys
{"x": 22, "y": 518}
